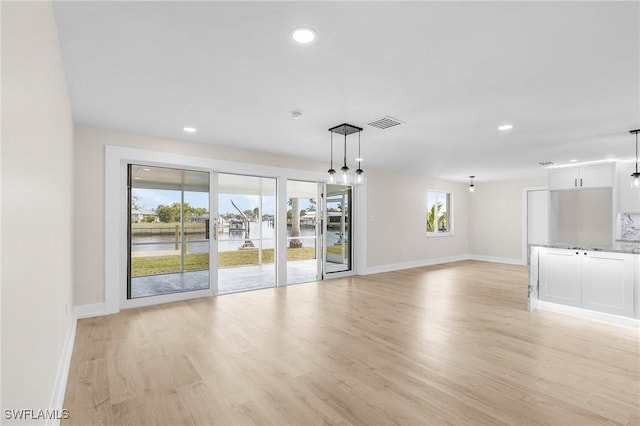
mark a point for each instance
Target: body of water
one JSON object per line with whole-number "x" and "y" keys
{"x": 226, "y": 241}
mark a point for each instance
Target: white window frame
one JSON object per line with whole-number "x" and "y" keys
{"x": 450, "y": 213}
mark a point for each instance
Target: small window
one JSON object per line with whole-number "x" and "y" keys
{"x": 439, "y": 213}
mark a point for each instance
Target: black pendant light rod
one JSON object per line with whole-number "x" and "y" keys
{"x": 331, "y": 168}
{"x": 636, "y": 132}
{"x": 359, "y": 157}
{"x": 345, "y": 153}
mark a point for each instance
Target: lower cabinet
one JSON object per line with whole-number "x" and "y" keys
{"x": 594, "y": 280}
{"x": 607, "y": 283}
{"x": 560, "y": 276}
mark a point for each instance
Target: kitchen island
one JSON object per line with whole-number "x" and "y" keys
{"x": 584, "y": 279}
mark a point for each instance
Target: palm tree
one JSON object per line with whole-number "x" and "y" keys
{"x": 441, "y": 221}
{"x": 295, "y": 223}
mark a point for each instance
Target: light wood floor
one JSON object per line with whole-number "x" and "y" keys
{"x": 450, "y": 344}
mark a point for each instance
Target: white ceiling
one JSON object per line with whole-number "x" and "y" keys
{"x": 565, "y": 74}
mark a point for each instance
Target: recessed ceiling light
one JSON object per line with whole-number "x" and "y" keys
{"x": 303, "y": 35}
{"x": 146, "y": 169}
{"x": 137, "y": 177}
{"x": 573, "y": 161}
{"x": 190, "y": 129}
{"x": 505, "y": 127}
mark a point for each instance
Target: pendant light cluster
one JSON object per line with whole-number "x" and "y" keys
{"x": 635, "y": 182}
{"x": 345, "y": 177}
{"x": 472, "y": 187}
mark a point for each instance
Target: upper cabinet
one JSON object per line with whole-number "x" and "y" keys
{"x": 597, "y": 176}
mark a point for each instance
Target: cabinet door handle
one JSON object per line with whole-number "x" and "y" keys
{"x": 577, "y": 253}
{"x": 575, "y": 182}
{"x": 585, "y": 253}
{"x": 580, "y": 181}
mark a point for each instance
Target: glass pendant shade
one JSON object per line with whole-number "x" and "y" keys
{"x": 331, "y": 179}
{"x": 345, "y": 175}
{"x": 359, "y": 177}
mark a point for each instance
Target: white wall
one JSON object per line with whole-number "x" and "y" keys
{"x": 37, "y": 205}
{"x": 496, "y": 219}
{"x": 396, "y": 226}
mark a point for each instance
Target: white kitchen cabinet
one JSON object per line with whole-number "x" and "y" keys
{"x": 594, "y": 280}
{"x": 560, "y": 276}
{"x": 597, "y": 176}
{"x": 607, "y": 283}
{"x": 629, "y": 197}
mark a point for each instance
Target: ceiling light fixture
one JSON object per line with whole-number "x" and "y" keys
{"x": 505, "y": 127}
{"x": 472, "y": 187}
{"x": 303, "y": 35}
{"x": 346, "y": 178}
{"x": 635, "y": 176}
{"x": 190, "y": 129}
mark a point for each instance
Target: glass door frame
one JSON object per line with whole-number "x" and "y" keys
{"x": 260, "y": 246}
{"x": 353, "y": 241}
{"x": 319, "y": 232}
{"x": 127, "y": 302}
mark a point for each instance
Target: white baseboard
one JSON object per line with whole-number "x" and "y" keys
{"x": 440, "y": 260}
{"x": 414, "y": 264}
{"x": 592, "y": 315}
{"x": 89, "y": 311}
{"x": 506, "y": 260}
{"x": 60, "y": 387}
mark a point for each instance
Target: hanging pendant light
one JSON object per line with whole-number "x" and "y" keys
{"x": 472, "y": 187}
{"x": 635, "y": 182}
{"x": 346, "y": 177}
{"x": 359, "y": 172}
{"x": 331, "y": 179}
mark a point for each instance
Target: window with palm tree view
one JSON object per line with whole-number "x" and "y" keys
{"x": 439, "y": 213}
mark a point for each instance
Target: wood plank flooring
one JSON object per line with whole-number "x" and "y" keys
{"x": 448, "y": 344}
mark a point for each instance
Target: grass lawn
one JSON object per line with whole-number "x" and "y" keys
{"x": 200, "y": 261}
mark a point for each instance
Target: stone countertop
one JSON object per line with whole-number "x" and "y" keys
{"x": 615, "y": 247}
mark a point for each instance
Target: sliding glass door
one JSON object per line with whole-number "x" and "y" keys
{"x": 246, "y": 232}
{"x": 304, "y": 255}
{"x": 176, "y": 246}
{"x": 338, "y": 247}
{"x": 168, "y": 214}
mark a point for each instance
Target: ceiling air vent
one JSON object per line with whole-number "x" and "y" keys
{"x": 546, "y": 163}
{"x": 385, "y": 122}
